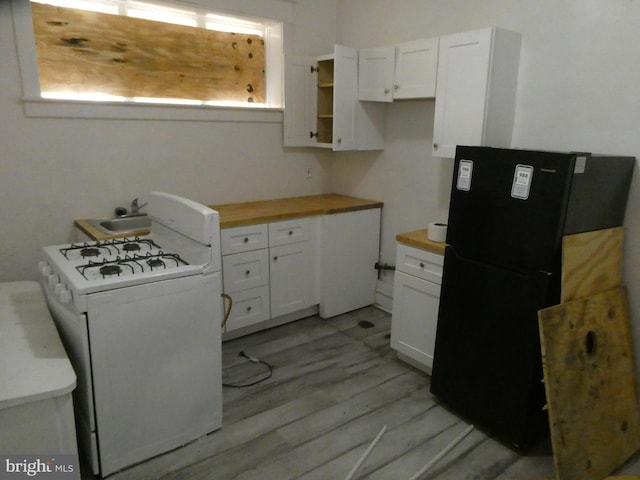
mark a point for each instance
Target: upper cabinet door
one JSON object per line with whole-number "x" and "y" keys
{"x": 376, "y": 74}
{"x": 475, "y": 90}
{"x": 405, "y": 71}
{"x": 345, "y": 98}
{"x": 322, "y": 107}
{"x": 300, "y": 101}
{"x": 415, "y": 69}
{"x": 461, "y": 92}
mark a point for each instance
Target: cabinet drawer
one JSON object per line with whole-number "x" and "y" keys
{"x": 289, "y": 231}
{"x": 245, "y": 270}
{"x": 420, "y": 263}
{"x": 249, "y": 307}
{"x": 243, "y": 239}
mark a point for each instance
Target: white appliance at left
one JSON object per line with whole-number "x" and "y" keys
{"x": 140, "y": 319}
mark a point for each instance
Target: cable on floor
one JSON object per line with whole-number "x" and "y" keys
{"x": 253, "y": 360}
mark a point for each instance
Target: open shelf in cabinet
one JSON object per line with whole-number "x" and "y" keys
{"x": 324, "y": 121}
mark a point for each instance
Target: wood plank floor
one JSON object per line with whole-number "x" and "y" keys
{"x": 334, "y": 385}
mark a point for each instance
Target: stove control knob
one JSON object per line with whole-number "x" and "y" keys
{"x": 59, "y": 288}
{"x": 65, "y": 296}
{"x": 52, "y": 280}
{"x": 45, "y": 269}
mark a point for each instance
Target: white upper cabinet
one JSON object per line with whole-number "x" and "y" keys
{"x": 375, "y": 74}
{"x": 475, "y": 89}
{"x": 405, "y": 71}
{"x": 322, "y": 107}
{"x": 415, "y": 69}
{"x": 300, "y": 107}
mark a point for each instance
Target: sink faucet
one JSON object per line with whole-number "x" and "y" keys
{"x": 135, "y": 208}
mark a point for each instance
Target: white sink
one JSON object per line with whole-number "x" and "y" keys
{"x": 123, "y": 224}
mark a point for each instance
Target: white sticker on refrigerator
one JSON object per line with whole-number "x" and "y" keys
{"x": 522, "y": 181}
{"x": 465, "y": 169}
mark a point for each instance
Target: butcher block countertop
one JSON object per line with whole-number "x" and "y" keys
{"x": 418, "y": 239}
{"x": 248, "y": 213}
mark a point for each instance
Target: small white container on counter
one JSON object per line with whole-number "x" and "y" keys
{"x": 437, "y": 231}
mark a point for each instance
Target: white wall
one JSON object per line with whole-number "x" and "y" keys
{"x": 53, "y": 171}
{"x": 578, "y": 90}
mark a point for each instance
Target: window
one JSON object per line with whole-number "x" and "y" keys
{"x": 136, "y": 52}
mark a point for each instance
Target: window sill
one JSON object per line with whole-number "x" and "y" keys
{"x": 48, "y": 108}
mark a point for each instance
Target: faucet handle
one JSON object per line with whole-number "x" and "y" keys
{"x": 135, "y": 206}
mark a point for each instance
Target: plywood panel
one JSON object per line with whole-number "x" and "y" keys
{"x": 590, "y": 383}
{"x": 81, "y": 51}
{"x": 591, "y": 263}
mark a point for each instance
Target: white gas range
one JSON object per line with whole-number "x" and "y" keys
{"x": 140, "y": 319}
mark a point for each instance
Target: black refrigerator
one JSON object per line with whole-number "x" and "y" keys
{"x": 508, "y": 212}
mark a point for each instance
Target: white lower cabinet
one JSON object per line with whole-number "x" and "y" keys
{"x": 245, "y": 267}
{"x": 290, "y": 267}
{"x": 282, "y": 271}
{"x": 268, "y": 275}
{"x": 416, "y": 299}
{"x": 350, "y": 249}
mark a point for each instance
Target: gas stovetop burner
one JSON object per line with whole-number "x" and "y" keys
{"x": 155, "y": 263}
{"x": 164, "y": 260}
{"x": 109, "y": 270}
{"x": 108, "y": 248}
{"x": 89, "y": 252}
{"x": 131, "y": 247}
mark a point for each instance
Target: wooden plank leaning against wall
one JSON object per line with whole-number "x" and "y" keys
{"x": 587, "y": 359}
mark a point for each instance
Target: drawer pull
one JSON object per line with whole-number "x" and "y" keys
{"x": 248, "y": 309}
{"x": 247, "y": 273}
{"x": 290, "y": 232}
{"x": 421, "y": 265}
{"x": 246, "y": 239}
{"x": 275, "y": 259}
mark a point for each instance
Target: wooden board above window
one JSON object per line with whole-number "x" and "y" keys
{"x": 85, "y": 52}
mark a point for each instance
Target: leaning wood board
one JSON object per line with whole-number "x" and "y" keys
{"x": 590, "y": 383}
{"x": 591, "y": 263}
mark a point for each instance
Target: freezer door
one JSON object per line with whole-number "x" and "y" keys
{"x": 487, "y": 363}
{"x": 508, "y": 206}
